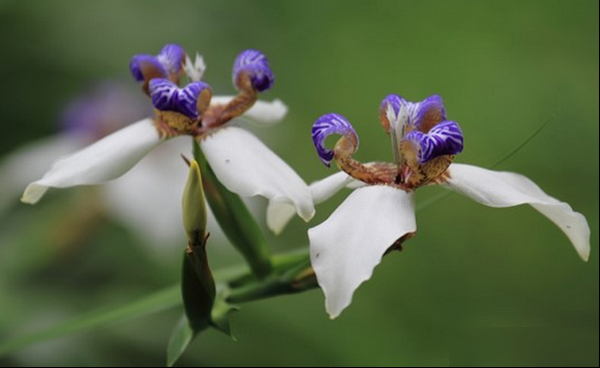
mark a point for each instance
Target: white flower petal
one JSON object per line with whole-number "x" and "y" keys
{"x": 279, "y": 213}
{"x": 104, "y": 160}
{"x": 326, "y": 188}
{"x": 352, "y": 241}
{"x": 30, "y": 162}
{"x": 505, "y": 189}
{"x": 262, "y": 113}
{"x": 148, "y": 197}
{"x": 247, "y": 167}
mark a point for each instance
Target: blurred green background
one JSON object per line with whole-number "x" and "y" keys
{"x": 477, "y": 287}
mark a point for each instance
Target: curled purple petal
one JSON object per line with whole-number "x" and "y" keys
{"x": 188, "y": 98}
{"x": 327, "y": 125}
{"x": 166, "y": 96}
{"x": 443, "y": 139}
{"x": 171, "y": 58}
{"x": 429, "y": 112}
{"x": 166, "y": 64}
{"x": 141, "y": 64}
{"x": 163, "y": 93}
{"x": 254, "y": 63}
{"x": 393, "y": 100}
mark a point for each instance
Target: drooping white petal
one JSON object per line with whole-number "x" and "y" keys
{"x": 104, "y": 160}
{"x": 352, "y": 241}
{"x": 247, "y": 167}
{"x": 279, "y": 213}
{"x": 505, "y": 189}
{"x": 262, "y": 113}
{"x": 30, "y": 162}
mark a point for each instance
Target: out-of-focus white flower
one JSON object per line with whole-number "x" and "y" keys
{"x": 154, "y": 186}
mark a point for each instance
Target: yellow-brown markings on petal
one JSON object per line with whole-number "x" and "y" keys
{"x": 357, "y": 170}
{"x": 386, "y": 172}
{"x": 172, "y": 124}
{"x": 343, "y": 151}
{"x": 217, "y": 115}
{"x": 416, "y": 175}
{"x": 385, "y": 123}
{"x": 203, "y": 101}
{"x": 149, "y": 71}
{"x": 430, "y": 119}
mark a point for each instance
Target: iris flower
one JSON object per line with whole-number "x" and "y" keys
{"x": 380, "y": 213}
{"x": 239, "y": 159}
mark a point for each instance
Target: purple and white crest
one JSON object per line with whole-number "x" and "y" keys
{"x": 168, "y": 62}
{"x": 416, "y": 115}
{"x": 443, "y": 139}
{"x": 327, "y": 125}
{"x": 392, "y": 100}
{"x": 166, "y": 96}
{"x": 254, "y": 63}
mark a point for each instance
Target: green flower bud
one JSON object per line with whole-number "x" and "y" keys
{"x": 194, "y": 207}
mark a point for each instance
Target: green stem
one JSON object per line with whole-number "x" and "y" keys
{"x": 236, "y": 221}
{"x": 281, "y": 263}
{"x": 294, "y": 276}
{"x": 292, "y": 280}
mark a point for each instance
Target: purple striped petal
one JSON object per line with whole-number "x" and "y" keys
{"x": 171, "y": 58}
{"x": 254, "y": 63}
{"x": 166, "y": 96}
{"x": 146, "y": 64}
{"x": 394, "y": 100}
{"x": 420, "y": 116}
{"x": 168, "y": 62}
{"x": 443, "y": 139}
{"x": 327, "y": 125}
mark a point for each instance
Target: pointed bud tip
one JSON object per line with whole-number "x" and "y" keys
{"x": 194, "y": 206}
{"x": 195, "y": 168}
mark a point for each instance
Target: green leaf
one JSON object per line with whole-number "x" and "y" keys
{"x": 179, "y": 341}
{"x": 157, "y": 302}
{"x": 236, "y": 221}
{"x": 183, "y": 333}
{"x": 222, "y": 312}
